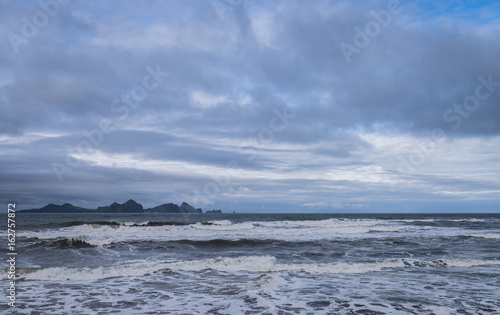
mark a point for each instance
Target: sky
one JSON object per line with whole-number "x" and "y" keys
{"x": 252, "y": 105}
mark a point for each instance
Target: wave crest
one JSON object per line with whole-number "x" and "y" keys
{"x": 252, "y": 264}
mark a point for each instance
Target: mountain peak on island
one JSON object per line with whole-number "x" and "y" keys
{"x": 128, "y": 207}
{"x": 173, "y": 208}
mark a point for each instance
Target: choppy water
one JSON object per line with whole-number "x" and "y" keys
{"x": 257, "y": 264}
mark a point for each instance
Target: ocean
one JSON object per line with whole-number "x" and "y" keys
{"x": 256, "y": 264}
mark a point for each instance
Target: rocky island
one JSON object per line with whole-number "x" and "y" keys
{"x": 214, "y": 211}
{"x": 127, "y": 207}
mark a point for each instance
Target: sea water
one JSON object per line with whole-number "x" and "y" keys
{"x": 256, "y": 264}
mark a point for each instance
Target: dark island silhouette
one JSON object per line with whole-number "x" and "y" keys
{"x": 127, "y": 207}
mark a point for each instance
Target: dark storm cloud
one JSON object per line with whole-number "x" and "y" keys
{"x": 235, "y": 69}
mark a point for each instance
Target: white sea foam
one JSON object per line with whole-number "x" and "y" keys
{"x": 132, "y": 223}
{"x": 252, "y": 264}
{"x": 224, "y": 229}
{"x": 271, "y": 293}
{"x": 441, "y": 220}
{"x": 266, "y": 283}
{"x": 450, "y": 262}
{"x": 221, "y": 222}
{"x": 470, "y": 262}
{"x": 90, "y": 274}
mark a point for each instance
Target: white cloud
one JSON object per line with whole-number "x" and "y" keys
{"x": 206, "y": 100}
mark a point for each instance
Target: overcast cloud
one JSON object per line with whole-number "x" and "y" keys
{"x": 252, "y": 106}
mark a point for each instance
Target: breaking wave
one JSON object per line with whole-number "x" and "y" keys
{"x": 251, "y": 264}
